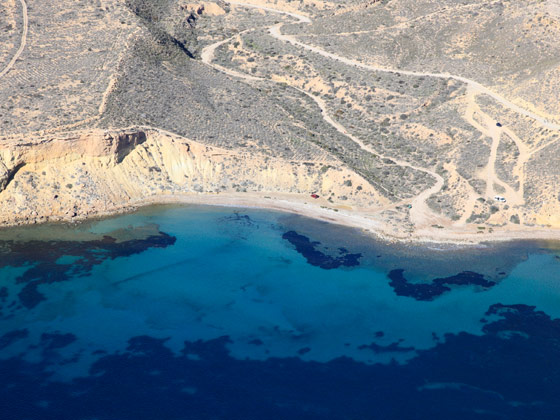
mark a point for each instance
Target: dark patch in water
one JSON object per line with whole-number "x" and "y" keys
{"x": 3, "y": 294}
{"x": 3, "y": 298}
{"x": 317, "y": 258}
{"x": 56, "y": 341}
{"x": 467, "y": 376}
{"x": 429, "y": 291}
{"x": 12, "y": 336}
{"x": 44, "y": 255}
{"x": 239, "y": 226}
{"x": 390, "y": 348}
{"x": 243, "y": 219}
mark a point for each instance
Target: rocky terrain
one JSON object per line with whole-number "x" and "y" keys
{"x": 405, "y": 117}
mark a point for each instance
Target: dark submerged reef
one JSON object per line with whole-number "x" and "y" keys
{"x": 309, "y": 250}
{"x": 42, "y": 258}
{"x": 429, "y": 291}
{"x": 507, "y": 372}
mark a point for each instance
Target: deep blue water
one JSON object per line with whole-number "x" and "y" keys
{"x": 209, "y": 313}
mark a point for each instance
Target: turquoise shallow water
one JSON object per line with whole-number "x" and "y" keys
{"x": 222, "y": 313}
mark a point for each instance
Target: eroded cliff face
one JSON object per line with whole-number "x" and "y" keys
{"x": 99, "y": 172}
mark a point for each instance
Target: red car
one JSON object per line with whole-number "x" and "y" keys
{"x": 314, "y": 196}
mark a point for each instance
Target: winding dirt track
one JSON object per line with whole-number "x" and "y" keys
{"x": 275, "y": 32}
{"x": 23, "y": 40}
{"x": 420, "y": 213}
{"x": 477, "y": 87}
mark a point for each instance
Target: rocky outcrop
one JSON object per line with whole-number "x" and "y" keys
{"x": 15, "y": 155}
{"x": 121, "y": 144}
{"x": 7, "y": 174}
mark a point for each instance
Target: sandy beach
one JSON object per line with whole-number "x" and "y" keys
{"x": 361, "y": 219}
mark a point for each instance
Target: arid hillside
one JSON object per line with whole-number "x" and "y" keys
{"x": 420, "y": 118}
